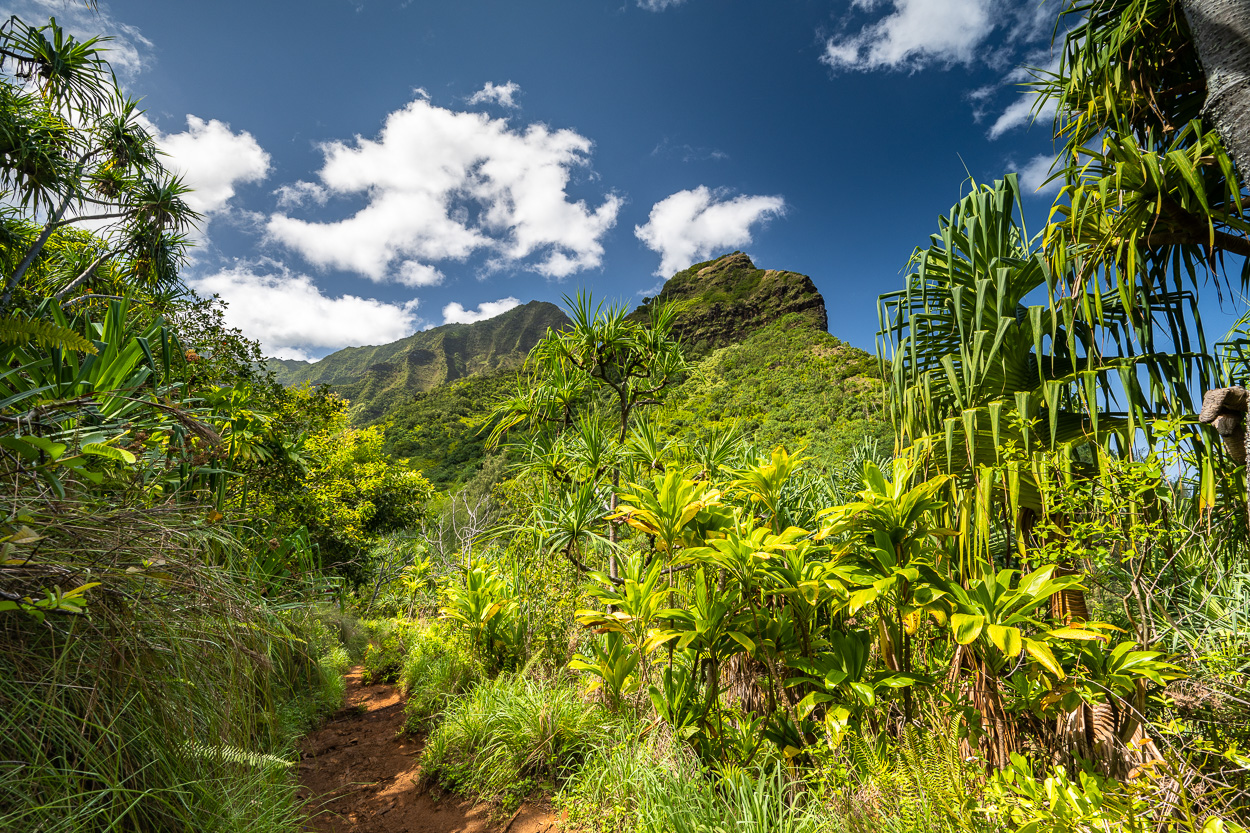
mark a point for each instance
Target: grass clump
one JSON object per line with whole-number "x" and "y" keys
{"x": 654, "y": 785}
{"x": 510, "y": 735}
{"x": 172, "y": 703}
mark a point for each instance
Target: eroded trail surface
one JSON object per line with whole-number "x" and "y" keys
{"x": 359, "y": 774}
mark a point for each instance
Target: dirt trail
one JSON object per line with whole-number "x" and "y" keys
{"x": 358, "y": 774}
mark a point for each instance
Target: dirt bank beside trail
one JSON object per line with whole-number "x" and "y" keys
{"x": 359, "y": 774}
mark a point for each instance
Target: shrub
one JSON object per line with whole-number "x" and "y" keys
{"x": 435, "y": 669}
{"x": 508, "y": 736}
{"x": 384, "y": 655}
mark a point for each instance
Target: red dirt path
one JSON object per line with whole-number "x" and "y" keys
{"x": 359, "y": 774}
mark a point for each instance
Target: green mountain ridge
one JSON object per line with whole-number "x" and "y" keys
{"x": 788, "y": 383}
{"x": 376, "y": 378}
{"x": 757, "y": 339}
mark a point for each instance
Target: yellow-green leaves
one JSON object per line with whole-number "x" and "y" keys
{"x": 967, "y": 627}
{"x": 1041, "y": 652}
{"x": 666, "y": 506}
{"x": 1005, "y": 638}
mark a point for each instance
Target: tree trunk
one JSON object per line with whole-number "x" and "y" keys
{"x": 1221, "y": 33}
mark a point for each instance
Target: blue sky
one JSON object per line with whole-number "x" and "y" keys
{"x": 371, "y": 168}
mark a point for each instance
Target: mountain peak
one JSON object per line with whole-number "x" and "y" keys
{"x": 727, "y": 263}
{"x": 723, "y": 301}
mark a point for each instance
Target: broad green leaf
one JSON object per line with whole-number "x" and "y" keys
{"x": 967, "y": 627}
{"x": 1006, "y": 638}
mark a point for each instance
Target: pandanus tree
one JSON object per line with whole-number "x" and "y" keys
{"x": 994, "y": 357}
{"x": 74, "y": 149}
{"x": 1002, "y": 359}
{"x": 1159, "y": 64}
{"x": 1151, "y": 99}
{"x": 582, "y": 389}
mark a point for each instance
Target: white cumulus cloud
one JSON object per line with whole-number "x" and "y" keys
{"x": 442, "y": 185}
{"x": 1023, "y": 108}
{"x": 915, "y": 33}
{"x": 455, "y": 313}
{"x": 687, "y": 226}
{"x": 502, "y": 94}
{"x": 658, "y": 5}
{"x": 1035, "y": 172}
{"x": 301, "y": 193}
{"x": 213, "y": 160}
{"x": 292, "y": 319}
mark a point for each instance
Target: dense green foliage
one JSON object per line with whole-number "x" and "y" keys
{"x": 789, "y": 384}
{"x": 443, "y": 432}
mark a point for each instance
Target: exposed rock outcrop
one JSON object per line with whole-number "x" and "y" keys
{"x": 722, "y": 301}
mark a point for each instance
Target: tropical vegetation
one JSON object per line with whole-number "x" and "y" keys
{"x": 672, "y": 586}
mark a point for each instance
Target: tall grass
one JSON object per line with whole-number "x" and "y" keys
{"x": 511, "y": 734}
{"x": 653, "y": 785}
{"x": 172, "y": 705}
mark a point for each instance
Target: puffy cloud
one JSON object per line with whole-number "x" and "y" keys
{"x": 213, "y": 160}
{"x": 412, "y": 273}
{"x": 502, "y": 94}
{"x": 1019, "y": 113}
{"x": 454, "y": 313}
{"x": 689, "y": 225}
{"x": 129, "y": 52}
{"x": 916, "y": 33}
{"x": 1034, "y": 173}
{"x": 443, "y": 185}
{"x": 292, "y": 319}
{"x": 658, "y": 5}
{"x": 301, "y": 193}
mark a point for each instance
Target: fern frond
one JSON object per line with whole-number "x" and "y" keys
{"x": 45, "y": 334}
{"x": 233, "y": 755}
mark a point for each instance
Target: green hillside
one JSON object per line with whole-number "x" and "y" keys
{"x": 788, "y": 383}
{"x": 377, "y": 378}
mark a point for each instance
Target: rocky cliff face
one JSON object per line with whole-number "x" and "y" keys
{"x": 723, "y": 301}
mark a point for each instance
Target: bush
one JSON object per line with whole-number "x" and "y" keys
{"x": 435, "y": 669}
{"x": 388, "y": 643}
{"x": 510, "y": 735}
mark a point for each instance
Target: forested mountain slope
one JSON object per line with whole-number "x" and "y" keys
{"x": 762, "y": 361}
{"x": 788, "y": 383}
{"x": 377, "y": 378}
